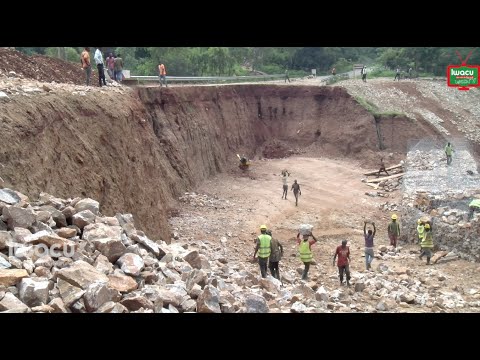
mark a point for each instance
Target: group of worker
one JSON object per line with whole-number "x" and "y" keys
{"x": 295, "y": 187}
{"x": 425, "y": 239}
{"x": 270, "y": 252}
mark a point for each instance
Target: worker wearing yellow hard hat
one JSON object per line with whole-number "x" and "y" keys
{"x": 264, "y": 248}
{"x": 427, "y": 243}
{"x": 393, "y": 231}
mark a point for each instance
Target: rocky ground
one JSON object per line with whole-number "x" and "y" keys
{"x": 104, "y": 264}
{"x": 449, "y": 110}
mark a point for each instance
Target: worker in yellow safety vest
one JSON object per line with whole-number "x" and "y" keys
{"x": 305, "y": 250}
{"x": 474, "y": 207}
{"x": 264, "y": 249}
{"x": 420, "y": 230}
{"x": 427, "y": 244}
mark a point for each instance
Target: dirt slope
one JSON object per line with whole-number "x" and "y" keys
{"x": 138, "y": 150}
{"x": 43, "y": 68}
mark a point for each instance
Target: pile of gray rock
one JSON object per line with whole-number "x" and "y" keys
{"x": 63, "y": 255}
{"x": 443, "y": 193}
{"x": 203, "y": 200}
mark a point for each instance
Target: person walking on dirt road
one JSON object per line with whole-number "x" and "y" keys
{"x": 448, "y": 152}
{"x": 369, "y": 254}
{"x": 296, "y": 191}
{"x": 86, "y": 65}
{"x": 343, "y": 263}
{"x": 305, "y": 250}
{"x": 162, "y": 73}
{"x": 285, "y": 184}
{"x": 393, "y": 231}
{"x": 264, "y": 248}
{"x": 427, "y": 244}
{"x": 275, "y": 256}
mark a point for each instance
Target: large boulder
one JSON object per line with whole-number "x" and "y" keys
{"x": 56, "y": 245}
{"x": 196, "y": 277}
{"x": 101, "y": 231}
{"x": 69, "y": 293}
{"x": 12, "y": 304}
{"x": 4, "y": 264}
{"x": 136, "y": 302}
{"x": 5, "y": 237}
{"x": 81, "y": 274}
{"x": 18, "y": 217}
{"x": 83, "y": 219}
{"x": 103, "y": 265}
{"x": 149, "y": 244}
{"x": 58, "y": 305}
{"x": 256, "y": 304}
{"x": 107, "y": 240}
{"x": 127, "y": 223}
{"x": 57, "y": 216}
{"x": 97, "y": 294}
{"x": 131, "y": 264}
{"x": 121, "y": 282}
{"x": 196, "y": 260}
{"x": 66, "y": 232}
{"x": 9, "y": 277}
{"x": 9, "y": 196}
{"x": 113, "y": 249}
{"x": 33, "y": 292}
{"x": 87, "y": 204}
{"x": 208, "y": 301}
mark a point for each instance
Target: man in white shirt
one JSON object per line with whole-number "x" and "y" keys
{"x": 99, "y": 61}
{"x": 285, "y": 184}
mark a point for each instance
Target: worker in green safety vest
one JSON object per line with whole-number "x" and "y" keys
{"x": 264, "y": 249}
{"x": 448, "y": 152}
{"x": 474, "y": 207}
{"x": 427, "y": 244}
{"x": 305, "y": 250}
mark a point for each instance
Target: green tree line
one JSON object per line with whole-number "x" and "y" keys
{"x": 216, "y": 61}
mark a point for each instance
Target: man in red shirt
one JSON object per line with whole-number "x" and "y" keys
{"x": 343, "y": 252}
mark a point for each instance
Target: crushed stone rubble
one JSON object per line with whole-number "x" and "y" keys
{"x": 441, "y": 194}
{"x": 63, "y": 255}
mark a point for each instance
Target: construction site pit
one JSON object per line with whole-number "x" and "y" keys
{"x": 140, "y": 191}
